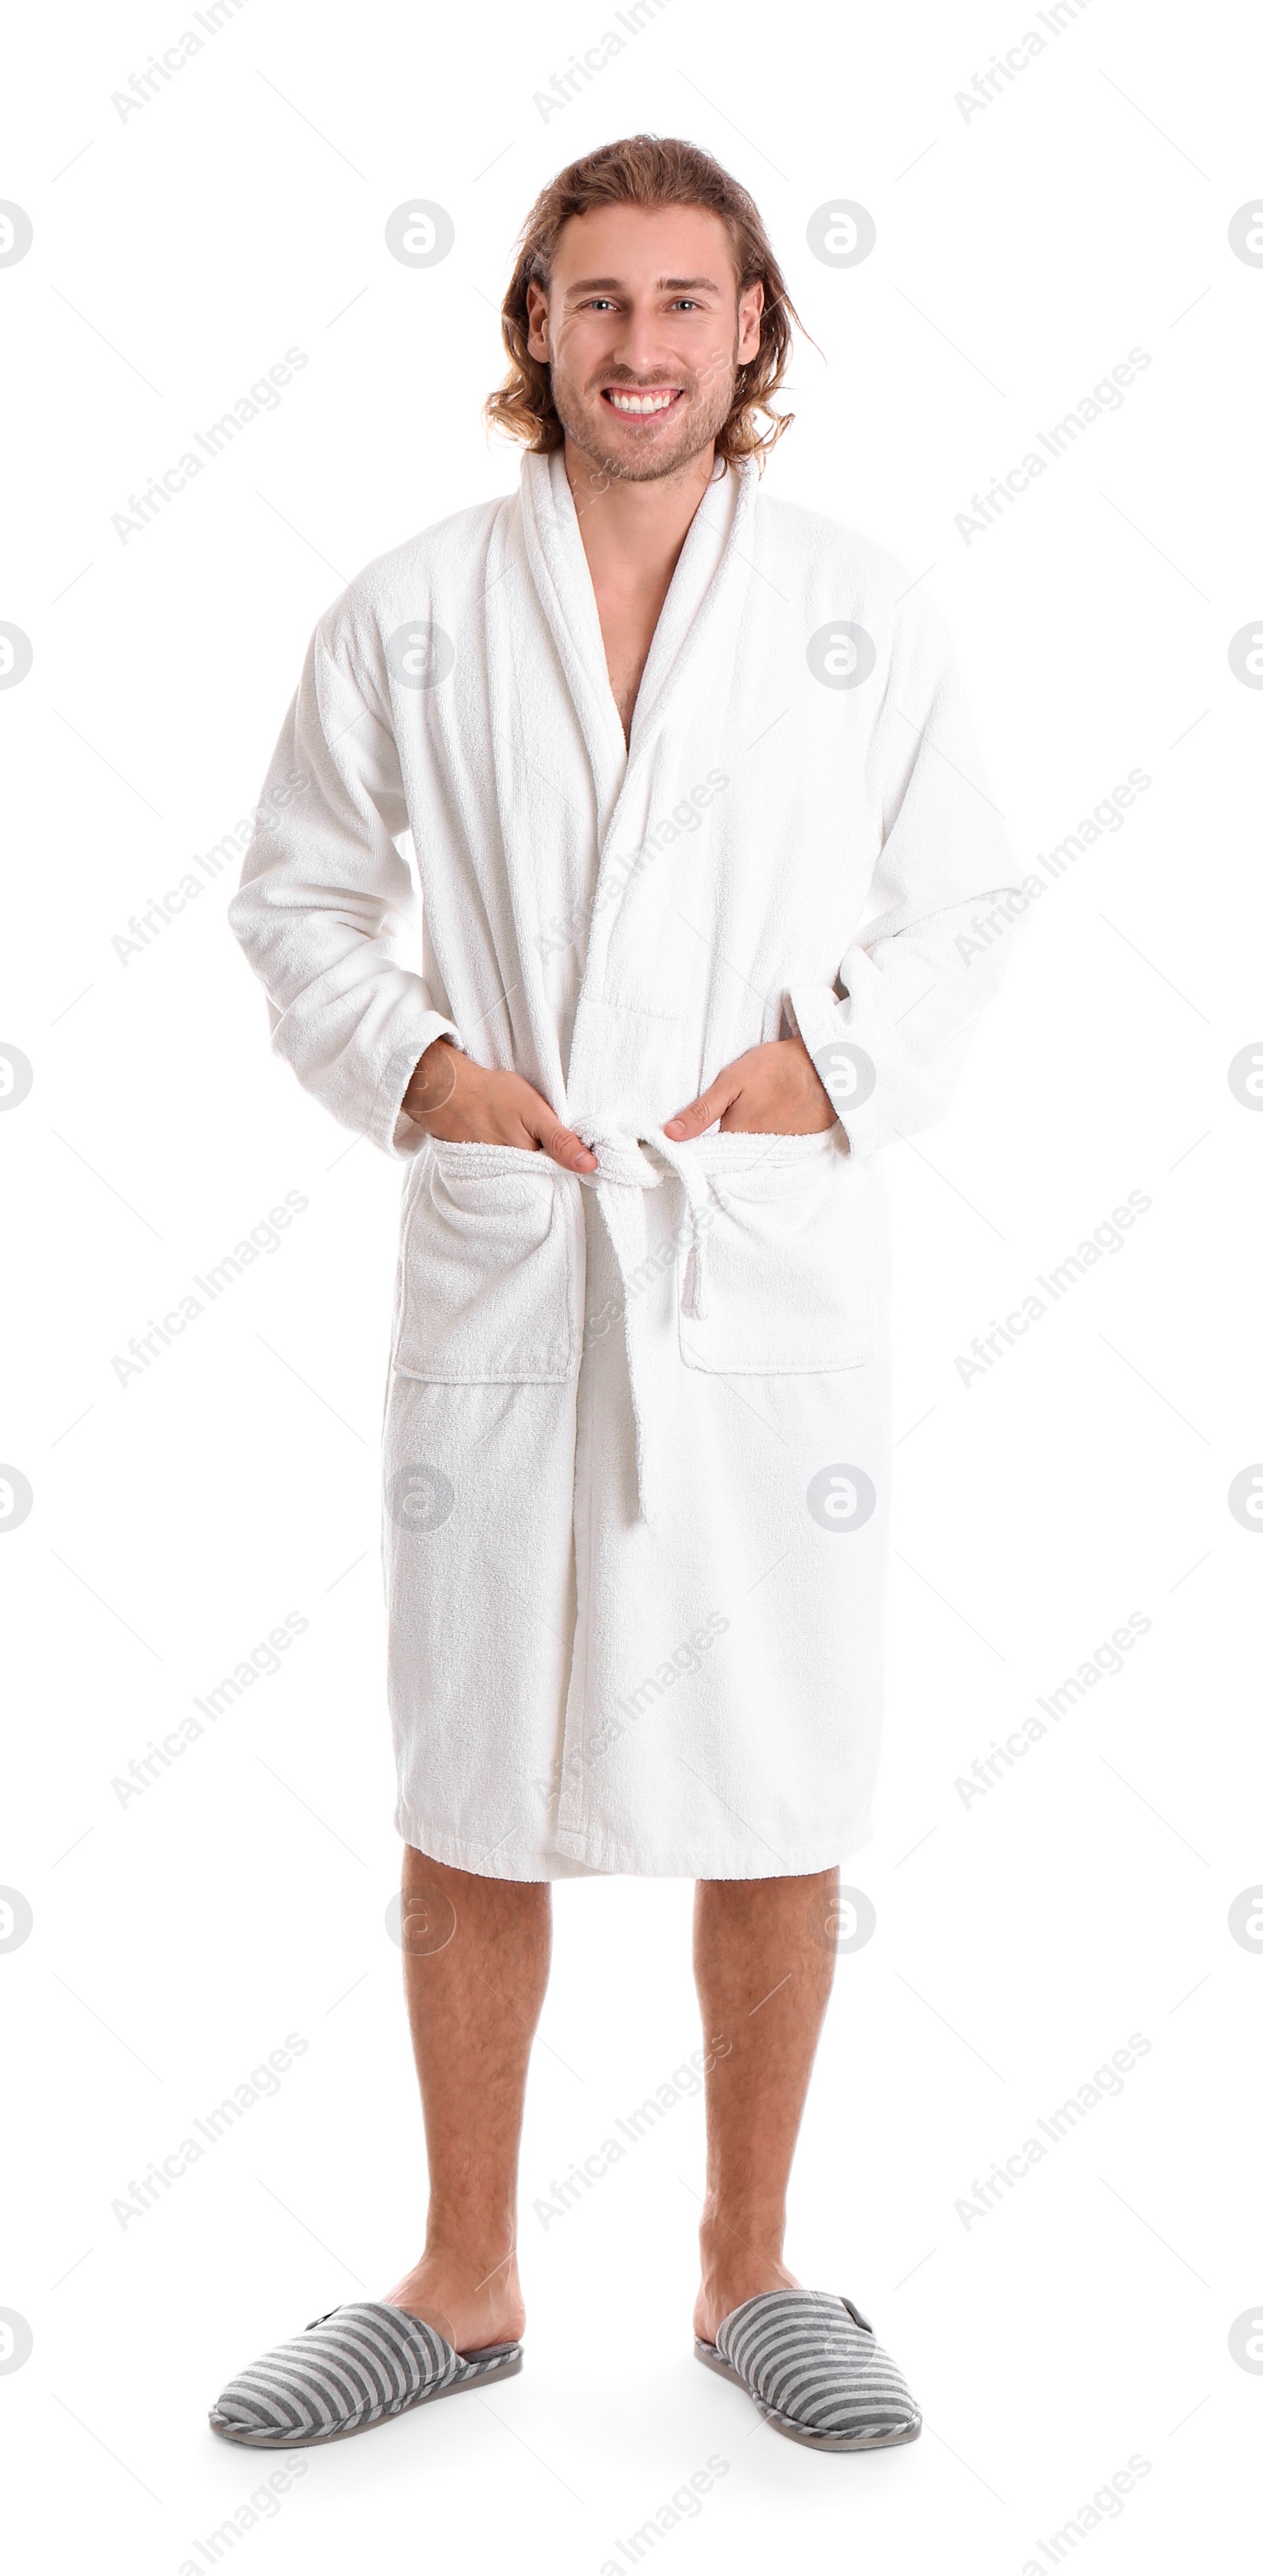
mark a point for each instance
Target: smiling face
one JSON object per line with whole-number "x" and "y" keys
{"x": 643, "y": 331}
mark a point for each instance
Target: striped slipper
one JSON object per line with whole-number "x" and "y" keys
{"x": 815, "y": 2371}
{"x": 353, "y": 2367}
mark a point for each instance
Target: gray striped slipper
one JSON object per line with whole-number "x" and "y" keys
{"x": 815, "y": 2371}
{"x": 354, "y": 2367}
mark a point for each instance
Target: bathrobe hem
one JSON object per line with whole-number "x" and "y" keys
{"x": 597, "y": 1857}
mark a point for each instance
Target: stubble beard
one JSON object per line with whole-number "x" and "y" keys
{"x": 698, "y": 430}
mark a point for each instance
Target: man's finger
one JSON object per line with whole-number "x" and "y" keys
{"x": 703, "y": 1112}
{"x": 559, "y": 1143}
{"x": 570, "y": 1151}
{"x": 561, "y": 1146}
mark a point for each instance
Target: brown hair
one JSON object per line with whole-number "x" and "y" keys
{"x": 645, "y": 170}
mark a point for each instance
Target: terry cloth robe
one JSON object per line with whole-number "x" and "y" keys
{"x": 637, "y": 1438}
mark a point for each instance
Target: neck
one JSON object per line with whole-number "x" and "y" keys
{"x": 633, "y": 533}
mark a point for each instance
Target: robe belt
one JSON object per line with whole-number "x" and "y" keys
{"x": 622, "y": 1167}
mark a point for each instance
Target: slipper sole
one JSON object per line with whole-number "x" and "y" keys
{"x": 712, "y": 2360}
{"x": 508, "y": 2368}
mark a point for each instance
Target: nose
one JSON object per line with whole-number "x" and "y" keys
{"x": 638, "y": 347}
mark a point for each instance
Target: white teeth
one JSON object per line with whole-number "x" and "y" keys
{"x": 642, "y": 402}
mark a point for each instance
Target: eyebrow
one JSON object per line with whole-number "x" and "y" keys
{"x": 614, "y": 285}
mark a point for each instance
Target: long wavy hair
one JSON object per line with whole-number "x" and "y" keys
{"x": 646, "y": 170}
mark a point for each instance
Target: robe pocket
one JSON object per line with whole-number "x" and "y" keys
{"x": 490, "y": 1269}
{"x": 784, "y": 1273}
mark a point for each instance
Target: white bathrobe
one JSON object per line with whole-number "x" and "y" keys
{"x": 637, "y": 1438}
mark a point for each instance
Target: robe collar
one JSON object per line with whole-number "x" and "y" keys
{"x": 720, "y": 533}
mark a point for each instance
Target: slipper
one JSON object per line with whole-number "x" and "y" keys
{"x": 815, "y": 2371}
{"x": 354, "y": 2367}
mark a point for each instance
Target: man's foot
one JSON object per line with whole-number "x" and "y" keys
{"x": 358, "y": 2365}
{"x": 732, "y": 2273}
{"x": 815, "y": 2370}
{"x": 464, "y": 2299}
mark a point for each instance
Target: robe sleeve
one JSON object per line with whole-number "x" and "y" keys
{"x": 888, "y": 1036}
{"x": 325, "y": 895}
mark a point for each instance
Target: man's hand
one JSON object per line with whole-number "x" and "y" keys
{"x": 463, "y": 1104}
{"x": 771, "y": 1090}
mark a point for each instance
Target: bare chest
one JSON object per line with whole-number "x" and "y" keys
{"x": 628, "y": 620}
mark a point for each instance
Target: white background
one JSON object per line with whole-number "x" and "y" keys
{"x": 1021, "y": 1939}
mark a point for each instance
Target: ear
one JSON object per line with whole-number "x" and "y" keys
{"x": 537, "y": 320}
{"x": 749, "y": 322}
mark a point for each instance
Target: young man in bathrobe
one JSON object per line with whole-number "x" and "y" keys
{"x": 633, "y": 895}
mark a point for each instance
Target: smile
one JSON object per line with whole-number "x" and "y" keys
{"x": 635, "y": 406}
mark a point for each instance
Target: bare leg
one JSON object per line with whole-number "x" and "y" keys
{"x": 764, "y": 1967}
{"x": 476, "y": 1954}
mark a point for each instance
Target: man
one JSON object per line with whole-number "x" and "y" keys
{"x": 699, "y": 839}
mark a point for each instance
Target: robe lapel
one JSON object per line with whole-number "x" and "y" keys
{"x": 714, "y": 562}
{"x": 710, "y": 566}
{"x": 559, "y": 569}
{"x": 687, "y": 658}
{"x": 682, "y": 709}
